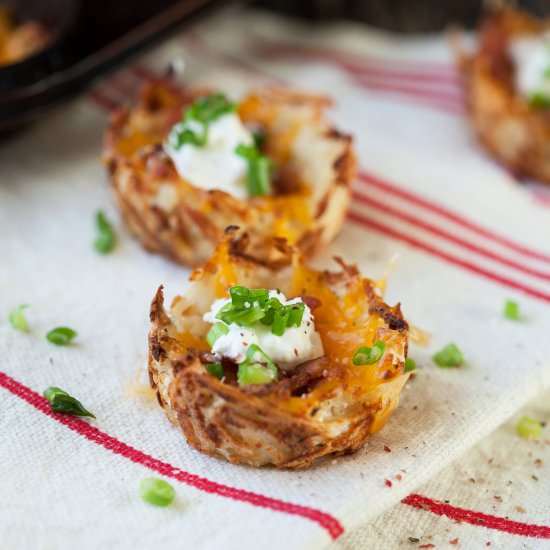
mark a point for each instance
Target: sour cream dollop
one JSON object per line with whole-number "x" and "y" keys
{"x": 215, "y": 165}
{"x": 295, "y": 346}
{"x": 531, "y": 57}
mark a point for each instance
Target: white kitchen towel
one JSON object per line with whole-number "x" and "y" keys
{"x": 467, "y": 237}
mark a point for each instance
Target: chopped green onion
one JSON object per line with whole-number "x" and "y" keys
{"x": 61, "y": 336}
{"x": 217, "y": 330}
{"x": 181, "y": 135}
{"x": 361, "y": 356}
{"x": 62, "y": 402}
{"x": 539, "y": 100}
{"x": 252, "y": 371}
{"x": 106, "y": 237}
{"x": 17, "y": 318}
{"x": 193, "y": 128}
{"x": 280, "y": 320}
{"x": 209, "y": 108}
{"x": 529, "y": 427}
{"x": 296, "y": 313}
{"x": 156, "y": 491}
{"x": 259, "y": 170}
{"x": 410, "y": 364}
{"x": 260, "y": 295}
{"x": 215, "y": 369}
{"x": 368, "y": 356}
{"x": 239, "y": 295}
{"x": 449, "y": 356}
{"x": 511, "y": 310}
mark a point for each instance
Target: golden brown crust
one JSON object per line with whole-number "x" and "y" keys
{"x": 316, "y": 165}
{"x": 512, "y": 131}
{"x": 267, "y": 424}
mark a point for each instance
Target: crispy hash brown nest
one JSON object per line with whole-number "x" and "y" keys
{"x": 321, "y": 407}
{"x": 315, "y": 165}
{"x": 512, "y": 131}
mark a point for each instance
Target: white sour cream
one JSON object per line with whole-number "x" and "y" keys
{"x": 295, "y": 346}
{"x": 216, "y": 165}
{"x": 531, "y": 57}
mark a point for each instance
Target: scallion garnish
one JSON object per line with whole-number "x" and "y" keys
{"x": 209, "y": 108}
{"x": 215, "y": 369}
{"x": 62, "y": 402}
{"x": 449, "y": 356}
{"x": 368, "y": 356}
{"x": 106, "y": 237}
{"x": 248, "y": 306}
{"x": 529, "y": 427}
{"x": 254, "y": 371}
{"x": 539, "y": 100}
{"x": 511, "y": 310}
{"x": 410, "y": 364}
{"x": 259, "y": 170}
{"x": 156, "y": 491}
{"x": 17, "y": 318}
{"x": 61, "y": 336}
{"x": 193, "y": 128}
{"x": 217, "y": 330}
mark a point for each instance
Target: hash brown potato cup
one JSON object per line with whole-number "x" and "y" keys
{"x": 326, "y": 406}
{"x": 314, "y": 167}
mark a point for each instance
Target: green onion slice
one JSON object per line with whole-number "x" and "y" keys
{"x": 156, "y": 491}
{"x": 260, "y": 168}
{"x": 106, "y": 237}
{"x": 61, "y": 402}
{"x": 368, "y": 356}
{"x": 511, "y": 310}
{"x": 539, "y": 100}
{"x": 217, "y": 330}
{"x": 410, "y": 364}
{"x": 17, "y": 318}
{"x": 252, "y": 371}
{"x": 529, "y": 427}
{"x": 61, "y": 336}
{"x": 448, "y": 357}
{"x": 209, "y": 108}
{"x": 215, "y": 369}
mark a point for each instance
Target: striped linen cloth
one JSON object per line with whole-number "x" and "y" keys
{"x": 467, "y": 238}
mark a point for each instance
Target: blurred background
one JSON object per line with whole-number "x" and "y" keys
{"x": 52, "y": 50}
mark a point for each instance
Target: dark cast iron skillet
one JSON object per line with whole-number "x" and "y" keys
{"x": 89, "y": 38}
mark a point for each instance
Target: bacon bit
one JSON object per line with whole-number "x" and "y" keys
{"x": 488, "y": 543}
{"x": 520, "y": 509}
{"x": 497, "y": 498}
{"x": 538, "y": 462}
{"x": 311, "y": 302}
{"x": 429, "y": 545}
{"x": 245, "y": 343}
{"x": 387, "y": 483}
{"x": 387, "y": 449}
{"x": 490, "y": 461}
{"x": 399, "y": 477}
{"x": 415, "y": 408}
{"x": 454, "y": 541}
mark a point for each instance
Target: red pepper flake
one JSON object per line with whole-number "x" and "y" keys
{"x": 387, "y": 483}
{"x": 296, "y": 352}
{"x": 399, "y": 477}
{"x": 454, "y": 541}
{"x": 387, "y": 449}
{"x": 430, "y": 545}
{"x": 490, "y": 461}
{"x": 497, "y": 498}
{"x": 245, "y": 343}
{"x": 538, "y": 462}
{"x": 488, "y": 543}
